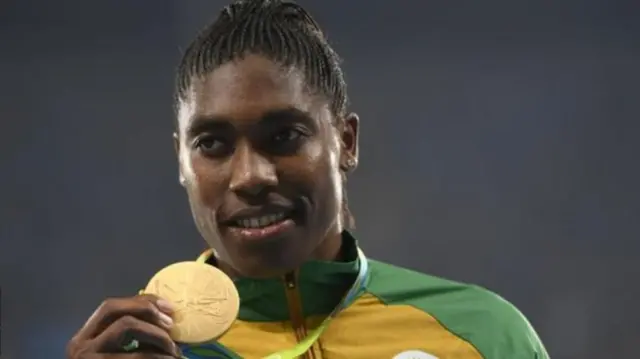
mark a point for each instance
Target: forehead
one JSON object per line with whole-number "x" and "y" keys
{"x": 246, "y": 89}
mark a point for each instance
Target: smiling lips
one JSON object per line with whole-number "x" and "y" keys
{"x": 262, "y": 226}
{"x": 260, "y": 222}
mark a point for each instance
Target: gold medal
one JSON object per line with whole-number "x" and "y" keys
{"x": 206, "y": 300}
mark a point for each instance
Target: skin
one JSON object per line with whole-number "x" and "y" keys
{"x": 145, "y": 317}
{"x": 251, "y": 135}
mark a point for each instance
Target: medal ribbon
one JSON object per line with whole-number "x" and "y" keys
{"x": 215, "y": 350}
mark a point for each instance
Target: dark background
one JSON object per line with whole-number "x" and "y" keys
{"x": 499, "y": 146}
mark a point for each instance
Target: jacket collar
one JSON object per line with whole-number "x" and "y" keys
{"x": 321, "y": 285}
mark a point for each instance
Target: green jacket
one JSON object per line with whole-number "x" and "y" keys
{"x": 401, "y": 314}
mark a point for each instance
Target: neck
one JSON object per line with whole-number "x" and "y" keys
{"x": 329, "y": 250}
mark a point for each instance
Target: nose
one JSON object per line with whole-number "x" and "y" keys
{"x": 251, "y": 173}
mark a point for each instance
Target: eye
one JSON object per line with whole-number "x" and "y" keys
{"x": 285, "y": 141}
{"x": 212, "y": 146}
{"x": 287, "y": 135}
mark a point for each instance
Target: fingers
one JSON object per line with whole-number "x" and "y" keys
{"x": 127, "y": 328}
{"x": 144, "y": 307}
{"x": 118, "y": 321}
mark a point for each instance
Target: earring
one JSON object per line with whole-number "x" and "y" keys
{"x": 350, "y": 163}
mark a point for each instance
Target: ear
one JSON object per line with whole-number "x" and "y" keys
{"x": 349, "y": 141}
{"x": 176, "y": 148}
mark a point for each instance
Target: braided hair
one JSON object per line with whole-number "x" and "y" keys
{"x": 279, "y": 30}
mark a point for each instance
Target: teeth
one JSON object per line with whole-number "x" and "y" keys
{"x": 260, "y": 222}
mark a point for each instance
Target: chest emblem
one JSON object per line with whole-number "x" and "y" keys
{"x": 414, "y": 354}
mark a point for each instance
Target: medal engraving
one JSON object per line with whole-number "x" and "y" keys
{"x": 206, "y": 300}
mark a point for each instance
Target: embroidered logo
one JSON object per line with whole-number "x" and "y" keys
{"x": 414, "y": 354}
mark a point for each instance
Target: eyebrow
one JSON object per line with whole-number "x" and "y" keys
{"x": 200, "y": 124}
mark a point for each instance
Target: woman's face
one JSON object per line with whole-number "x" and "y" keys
{"x": 261, "y": 157}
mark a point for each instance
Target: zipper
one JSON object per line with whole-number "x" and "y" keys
{"x": 295, "y": 311}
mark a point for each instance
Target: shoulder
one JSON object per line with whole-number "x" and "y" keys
{"x": 482, "y": 318}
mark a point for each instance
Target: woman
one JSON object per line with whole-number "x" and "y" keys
{"x": 265, "y": 143}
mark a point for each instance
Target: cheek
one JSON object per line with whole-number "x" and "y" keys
{"x": 206, "y": 181}
{"x": 316, "y": 169}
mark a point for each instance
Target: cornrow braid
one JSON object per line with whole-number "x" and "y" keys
{"x": 277, "y": 29}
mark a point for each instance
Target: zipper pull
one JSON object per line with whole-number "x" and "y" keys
{"x": 290, "y": 280}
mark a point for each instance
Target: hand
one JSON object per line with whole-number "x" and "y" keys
{"x": 119, "y": 321}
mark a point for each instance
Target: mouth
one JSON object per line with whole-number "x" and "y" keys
{"x": 260, "y": 225}
{"x": 259, "y": 221}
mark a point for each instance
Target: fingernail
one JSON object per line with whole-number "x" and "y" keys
{"x": 179, "y": 354}
{"x": 165, "y": 306}
{"x": 166, "y": 320}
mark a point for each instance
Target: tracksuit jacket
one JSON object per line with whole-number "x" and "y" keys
{"x": 399, "y": 314}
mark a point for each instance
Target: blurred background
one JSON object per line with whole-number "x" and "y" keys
{"x": 499, "y": 146}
